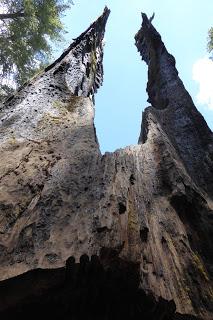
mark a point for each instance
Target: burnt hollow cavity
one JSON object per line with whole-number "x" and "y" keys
{"x": 144, "y": 234}
{"x": 104, "y": 287}
{"x": 121, "y": 207}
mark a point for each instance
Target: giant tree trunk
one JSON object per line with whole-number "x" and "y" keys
{"x": 139, "y": 220}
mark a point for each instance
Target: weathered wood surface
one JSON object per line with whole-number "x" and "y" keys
{"x": 149, "y": 205}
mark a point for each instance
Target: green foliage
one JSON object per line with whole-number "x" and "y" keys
{"x": 27, "y": 29}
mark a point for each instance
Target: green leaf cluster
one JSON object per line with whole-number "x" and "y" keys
{"x": 26, "y": 37}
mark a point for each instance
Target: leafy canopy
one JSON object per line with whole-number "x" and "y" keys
{"x": 27, "y": 28}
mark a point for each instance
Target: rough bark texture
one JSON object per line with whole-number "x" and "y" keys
{"x": 139, "y": 220}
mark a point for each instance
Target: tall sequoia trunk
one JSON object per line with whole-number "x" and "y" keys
{"x": 124, "y": 235}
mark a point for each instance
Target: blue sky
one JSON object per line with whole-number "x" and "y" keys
{"x": 183, "y": 25}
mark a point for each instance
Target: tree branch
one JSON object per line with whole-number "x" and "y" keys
{"x": 14, "y": 15}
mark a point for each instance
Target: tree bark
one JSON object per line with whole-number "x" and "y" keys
{"x": 124, "y": 235}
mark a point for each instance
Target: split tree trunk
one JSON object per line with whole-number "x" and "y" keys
{"x": 144, "y": 212}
